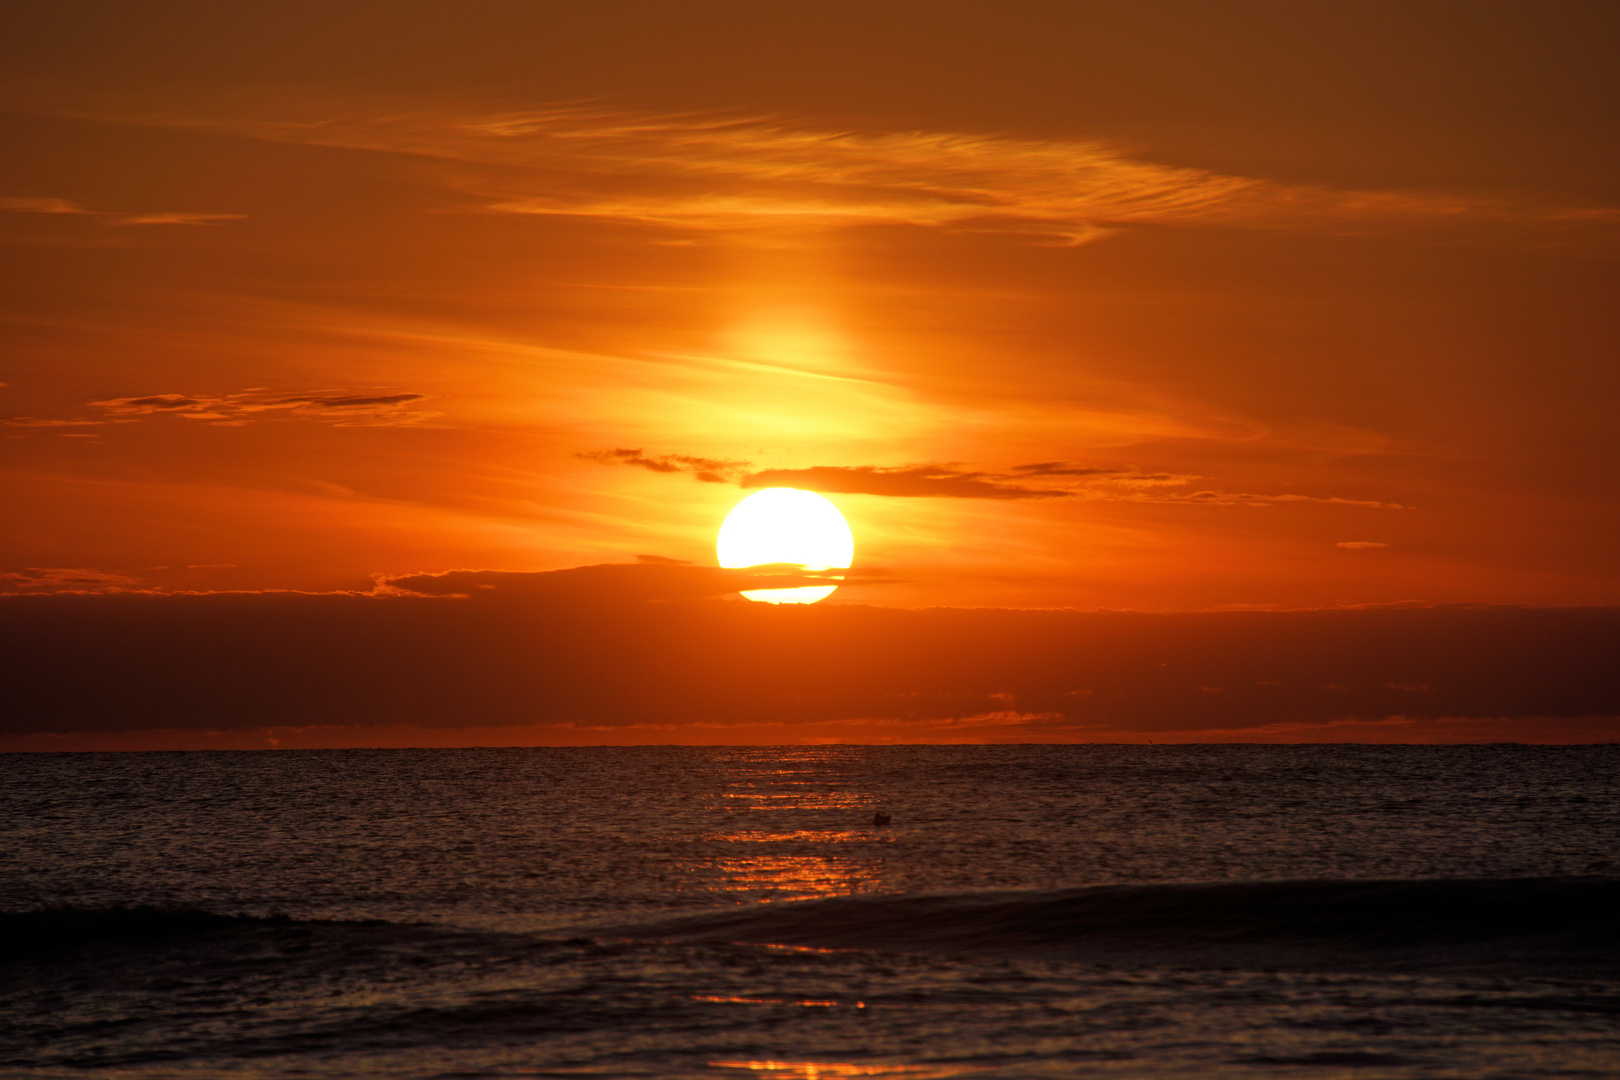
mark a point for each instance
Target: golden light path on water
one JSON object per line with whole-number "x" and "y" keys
{"x": 814, "y": 1070}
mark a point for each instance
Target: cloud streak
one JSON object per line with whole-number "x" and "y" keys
{"x": 53, "y": 205}
{"x": 54, "y": 579}
{"x": 708, "y": 470}
{"x": 1231, "y": 498}
{"x": 45, "y": 422}
{"x": 939, "y": 481}
{"x": 336, "y": 407}
{"x": 724, "y": 172}
{"x": 1039, "y": 480}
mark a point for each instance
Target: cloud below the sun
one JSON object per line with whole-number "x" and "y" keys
{"x": 615, "y": 645}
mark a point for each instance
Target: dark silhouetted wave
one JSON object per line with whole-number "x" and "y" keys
{"x": 27, "y": 932}
{"x": 1315, "y": 923}
{"x": 1374, "y": 922}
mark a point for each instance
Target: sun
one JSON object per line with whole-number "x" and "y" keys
{"x": 786, "y": 525}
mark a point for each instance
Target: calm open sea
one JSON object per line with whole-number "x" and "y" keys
{"x": 1032, "y": 911}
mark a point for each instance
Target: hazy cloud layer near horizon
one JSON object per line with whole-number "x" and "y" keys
{"x": 628, "y": 645}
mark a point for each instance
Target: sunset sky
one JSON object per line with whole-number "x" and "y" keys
{"x": 1149, "y": 307}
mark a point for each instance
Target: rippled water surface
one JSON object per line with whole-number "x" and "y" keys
{"x": 475, "y": 912}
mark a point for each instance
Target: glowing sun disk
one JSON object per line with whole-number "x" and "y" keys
{"x": 786, "y": 525}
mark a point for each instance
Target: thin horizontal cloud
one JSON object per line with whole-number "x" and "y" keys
{"x": 1039, "y": 480}
{"x": 53, "y": 579}
{"x": 1232, "y": 498}
{"x": 646, "y": 580}
{"x": 172, "y": 218}
{"x": 42, "y": 422}
{"x": 339, "y": 408}
{"x": 1069, "y": 190}
{"x": 941, "y": 481}
{"x": 1360, "y": 545}
{"x": 352, "y": 401}
{"x": 52, "y": 205}
{"x": 708, "y": 470}
{"x": 40, "y": 205}
{"x": 723, "y": 172}
{"x": 1059, "y": 468}
{"x": 1092, "y": 476}
{"x": 949, "y": 481}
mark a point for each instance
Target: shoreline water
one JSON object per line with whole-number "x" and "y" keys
{"x": 703, "y": 912}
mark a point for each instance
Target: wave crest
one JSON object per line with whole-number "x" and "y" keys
{"x": 1271, "y": 922}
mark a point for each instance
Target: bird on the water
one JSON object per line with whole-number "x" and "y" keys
{"x": 880, "y": 819}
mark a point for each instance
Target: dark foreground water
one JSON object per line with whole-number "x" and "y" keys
{"x": 1032, "y": 911}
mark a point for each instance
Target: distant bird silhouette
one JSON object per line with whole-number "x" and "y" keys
{"x": 880, "y": 819}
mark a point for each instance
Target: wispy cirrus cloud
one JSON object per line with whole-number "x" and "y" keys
{"x": 337, "y": 407}
{"x": 949, "y": 480}
{"x": 1232, "y": 498}
{"x": 340, "y": 408}
{"x": 30, "y": 204}
{"x": 724, "y": 172}
{"x": 708, "y": 470}
{"x": 941, "y": 481}
{"x": 47, "y": 422}
{"x": 53, "y": 579}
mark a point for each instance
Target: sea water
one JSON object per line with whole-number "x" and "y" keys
{"x": 1030, "y": 911}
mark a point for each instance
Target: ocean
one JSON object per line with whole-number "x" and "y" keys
{"x": 1030, "y": 911}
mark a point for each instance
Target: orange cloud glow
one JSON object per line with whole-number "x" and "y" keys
{"x": 1054, "y": 319}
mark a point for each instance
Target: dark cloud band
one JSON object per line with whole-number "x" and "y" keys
{"x": 636, "y": 644}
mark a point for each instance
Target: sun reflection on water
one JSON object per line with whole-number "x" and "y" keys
{"x": 794, "y": 800}
{"x": 808, "y": 1004}
{"x": 813, "y": 1070}
{"x": 778, "y": 858}
{"x": 797, "y": 877}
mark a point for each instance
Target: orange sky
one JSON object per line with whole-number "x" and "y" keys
{"x": 1153, "y": 306}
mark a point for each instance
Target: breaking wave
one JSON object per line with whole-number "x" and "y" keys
{"x": 1355, "y": 921}
{"x": 26, "y": 932}
{"x": 1336, "y": 923}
